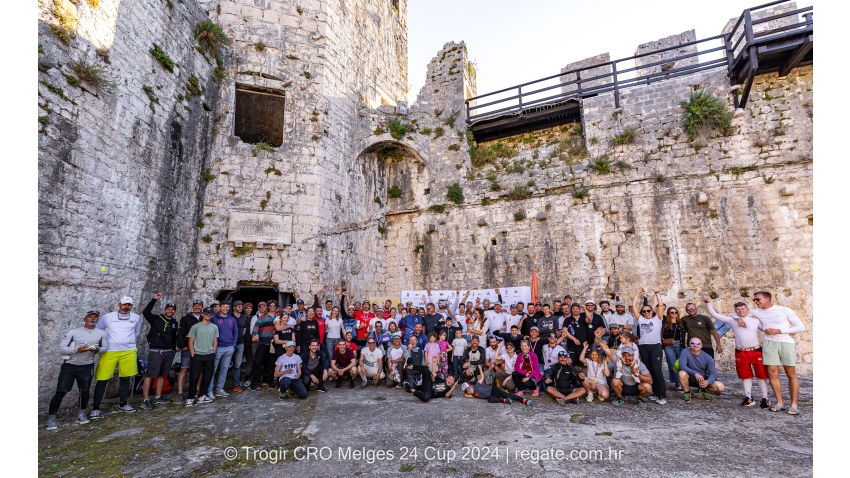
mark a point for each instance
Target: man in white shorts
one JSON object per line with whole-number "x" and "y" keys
{"x": 779, "y": 347}
{"x": 371, "y": 363}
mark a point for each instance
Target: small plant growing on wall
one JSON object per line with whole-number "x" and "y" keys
{"x": 394, "y": 192}
{"x": 399, "y": 127}
{"x": 518, "y": 193}
{"x": 454, "y": 147}
{"x": 438, "y": 208}
{"x": 260, "y": 46}
{"x": 382, "y": 229}
{"x": 704, "y": 111}
{"x": 274, "y": 170}
{"x": 627, "y": 136}
{"x": 600, "y": 164}
{"x": 438, "y": 132}
{"x": 450, "y": 121}
{"x": 206, "y": 239}
{"x": 455, "y": 194}
{"x": 211, "y": 35}
{"x": 240, "y": 251}
{"x": 418, "y": 248}
{"x": 579, "y": 192}
{"x": 162, "y": 57}
{"x": 519, "y": 215}
{"x": 207, "y": 175}
{"x": 65, "y": 27}
{"x": 261, "y": 146}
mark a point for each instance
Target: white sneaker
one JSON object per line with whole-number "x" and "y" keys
{"x": 81, "y": 418}
{"x": 221, "y": 393}
{"x": 661, "y": 401}
{"x": 190, "y": 402}
{"x": 210, "y": 397}
{"x": 590, "y": 397}
{"x": 204, "y": 399}
{"x": 653, "y": 398}
{"x": 95, "y": 414}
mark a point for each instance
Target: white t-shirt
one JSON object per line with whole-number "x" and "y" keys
{"x": 394, "y": 353}
{"x": 458, "y": 347}
{"x": 509, "y": 362}
{"x": 370, "y": 358}
{"x": 550, "y": 355}
{"x": 621, "y": 320}
{"x": 510, "y": 321}
{"x": 497, "y": 321}
{"x": 493, "y": 353}
{"x": 284, "y": 361}
{"x": 782, "y": 318}
{"x": 482, "y": 339}
{"x": 332, "y": 327}
{"x": 385, "y": 323}
{"x": 650, "y": 330}
{"x": 326, "y": 314}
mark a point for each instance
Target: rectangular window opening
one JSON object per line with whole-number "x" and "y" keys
{"x": 259, "y": 115}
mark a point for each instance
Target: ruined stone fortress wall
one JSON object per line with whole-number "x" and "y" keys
{"x": 135, "y": 190}
{"x": 719, "y": 215}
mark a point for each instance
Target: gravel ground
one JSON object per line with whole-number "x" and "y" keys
{"x": 380, "y": 431}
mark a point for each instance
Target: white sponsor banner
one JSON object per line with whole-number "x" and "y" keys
{"x": 510, "y": 295}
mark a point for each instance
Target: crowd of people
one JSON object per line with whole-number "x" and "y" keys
{"x": 503, "y": 353}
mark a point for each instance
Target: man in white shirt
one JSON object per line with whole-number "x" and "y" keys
{"x": 550, "y": 351}
{"x": 395, "y": 361}
{"x": 513, "y": 318}
{"x": 748, "y": 350}
{"x": 122, "y": 328}
{"x": 371, "y": 363}
{"x": 510, "y": 360}
{"x": 779, "y": 347}
{"x": 498, "y": 319}
{"x": 621, "y": 317}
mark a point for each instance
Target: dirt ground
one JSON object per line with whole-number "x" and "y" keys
{"x": 380, "y": 431}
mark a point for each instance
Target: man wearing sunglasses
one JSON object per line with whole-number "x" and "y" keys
{"x": 701, "y": 327}
{"x": 371, "y": 363}
{"x": 696, "y": 369}
{"x": 779, "y": 347}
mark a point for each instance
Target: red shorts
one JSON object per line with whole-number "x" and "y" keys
{"x": 747, "y": 361}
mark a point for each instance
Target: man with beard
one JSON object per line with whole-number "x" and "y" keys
{"x": 162, "y": 339}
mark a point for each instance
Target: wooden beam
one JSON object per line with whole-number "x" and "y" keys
{"x": 798, "y": 55}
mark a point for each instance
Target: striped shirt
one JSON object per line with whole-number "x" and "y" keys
{"x": 264, "y": 329}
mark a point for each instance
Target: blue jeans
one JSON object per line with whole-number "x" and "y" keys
{"x": 295, "y": 385}
{"x": 331, "y": 345}
{"x": 671, "y": 353}
{"x": 238, "y": 351}
{"x": 221, "y": 363}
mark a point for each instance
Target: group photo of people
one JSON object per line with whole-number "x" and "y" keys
{"x": 566, "y": 352}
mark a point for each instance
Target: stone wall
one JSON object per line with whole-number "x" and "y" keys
{"x": 333, "y": 60}
{"x": 120, "y": 172}
{"x": 723, "y": 214}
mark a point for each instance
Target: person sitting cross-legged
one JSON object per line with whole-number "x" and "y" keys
{"x": 696, "y": 369}
{"x": 564, "y": 382}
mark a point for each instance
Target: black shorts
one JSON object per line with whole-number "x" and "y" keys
{"x": 692, "y": 381}
{"x": 567, "y": 391}
{"x": 159, "y": 362}
{"x": 631, "y": 390}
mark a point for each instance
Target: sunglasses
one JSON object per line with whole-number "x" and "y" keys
{"x": 691, "y": 308}
{"x": 371, "y": 343}
{"x": 646, "y": 312}
{"x": 673, "y": 312}
{"x": 695, "y": 344}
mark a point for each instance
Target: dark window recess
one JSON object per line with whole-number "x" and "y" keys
{"x": 259, "y": 115}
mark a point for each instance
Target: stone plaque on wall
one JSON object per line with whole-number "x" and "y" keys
{"x": 262, "y": 227}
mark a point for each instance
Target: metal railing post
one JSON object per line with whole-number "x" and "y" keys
{"x": 519, "y": 96}
{"x": 616, "y": 90}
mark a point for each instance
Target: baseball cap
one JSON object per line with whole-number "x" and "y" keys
{"x": 248, "y": 303}
{"x": 126, "y": 300}
{"x": 170, "y": 304}
{"x": 238, "y": 302}
{"x": 552, "y": 335}
{"x": 589, "y": 301}
{"x": 619, "y": 302}
{"x": 509, "y": 344}
{"x": 534, "y": 328}
{"x": 396, "y": 335}
{"x": 465, "y": 386}
{"x": 290, "y": 344}
{"x": 299, "y": 302}
{"x": 568, "y": 296}
{"x": 197, "y": 301}
{"x": 208, "y": 310}
{"x": 538, "y": 304}
{"x": 627, "y": 350}
{"x": 262, "y": 303}
{"x": 512, "y": 306}
{"x": 93, "y": 312}
{"x": 214, "y": 304}
{"x": 563, "y": 353}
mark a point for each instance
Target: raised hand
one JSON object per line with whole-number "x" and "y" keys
{"x": 158, "y": 296}
{"x": 311, "y": 292}
{"x": 655, "y": 288}
{"x": 336, "y": 291}
{"x": 498, "y": 291}
{"x": 706, "y": 300}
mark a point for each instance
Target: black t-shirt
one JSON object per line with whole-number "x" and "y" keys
{"x": 564, "y": 376}
{"x": 439, "y": 389}
{"x": 529, "y": 322}
{"x": 434, "y": 323}
{"x": 537, "y": 348}
{"x": 576, "y": 330}
{"x": 514, "y": 340}
{"x": 308, "y": 329}
{"x": 242, "y": 323}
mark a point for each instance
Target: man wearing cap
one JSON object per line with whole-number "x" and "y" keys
{"x": 288, "y": 373}
{"x": 203, "y": 342}
{"x": 551, "y": 351}
{"x": 634, "y": 380}
{"x": 592, "y": 320}
{"x": 408, "y": 323}
{"x": 186, "y": 323}
{"x": 122, "y": 328}
{"x": 696, "y": 369}
{"x": 563, "y": 380}
{"x": 162, "y": 339}
{"x": 228, "y": 333}
{"x": 620, "y": 316}
{"x": 396, "y": 355}
{"x": 239, "y": 349}
{"x": 78, "y": 348}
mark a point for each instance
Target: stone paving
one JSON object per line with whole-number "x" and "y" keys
{"x": 678, "y": 439}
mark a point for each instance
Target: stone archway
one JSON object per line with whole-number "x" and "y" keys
{"x": 397, "y": 167}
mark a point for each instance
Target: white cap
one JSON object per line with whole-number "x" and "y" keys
{"x": 465, "y": 386}
{"x": 126, "y": 300}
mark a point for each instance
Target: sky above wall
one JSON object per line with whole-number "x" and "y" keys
{"x": 512, "y": 42}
